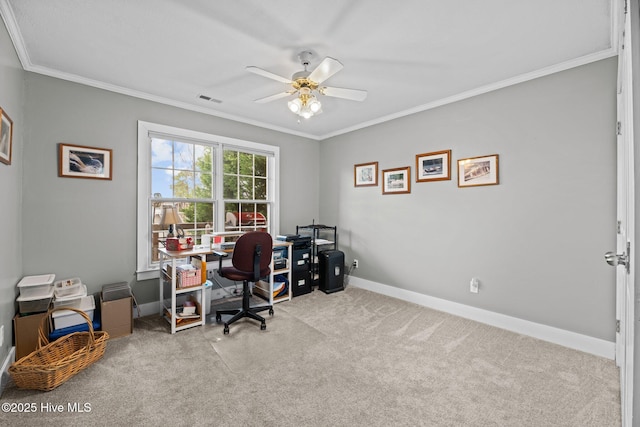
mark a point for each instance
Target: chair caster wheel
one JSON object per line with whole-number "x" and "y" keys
{"x": 218, "y": 318}
{"x": 263, "y": 326}
{"x": 271, "y": 312}
{"x": 226, "y": 330}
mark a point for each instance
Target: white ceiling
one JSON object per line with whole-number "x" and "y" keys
{"x": 409, "y": 55}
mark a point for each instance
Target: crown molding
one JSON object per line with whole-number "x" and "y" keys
{"x": 587, "y": 59}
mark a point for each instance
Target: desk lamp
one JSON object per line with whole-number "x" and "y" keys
{"x": 169, "y": 217}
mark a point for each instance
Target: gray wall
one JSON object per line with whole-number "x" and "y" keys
{"x": 11, "y": 100}
{"x": 536, "y": 241}
{"x": 87, "y": 228}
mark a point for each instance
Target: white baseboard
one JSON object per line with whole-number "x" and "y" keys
{"x": 147, "y": 309}
{"x": 4, "y": 373}
{"x": 558, "y": 336}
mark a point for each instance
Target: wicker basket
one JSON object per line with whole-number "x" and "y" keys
{"x": 51, "y": 364}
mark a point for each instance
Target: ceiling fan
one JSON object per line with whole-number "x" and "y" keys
{"x": 306, "y": 85}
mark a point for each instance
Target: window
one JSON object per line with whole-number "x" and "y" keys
{"x": 245, "y": 191}
{"x": 215, "y": 183}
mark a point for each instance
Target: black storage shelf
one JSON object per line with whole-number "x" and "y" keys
{"x": 323, "y": 237}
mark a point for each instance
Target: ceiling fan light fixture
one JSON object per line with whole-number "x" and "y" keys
{"x": 295, "y": 105}
{"x": 306, "y": 85}
{"x": 314, "y": 105}
{"x": 305, "y": 105}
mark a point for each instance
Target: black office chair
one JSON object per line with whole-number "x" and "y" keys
{"x": 251, "y": 260}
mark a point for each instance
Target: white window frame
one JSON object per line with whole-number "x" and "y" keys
{"x": 145, "y": 268}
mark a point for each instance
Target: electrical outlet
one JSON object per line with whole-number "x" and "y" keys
{"x": 474, "y": 285}
{"x": 355, "y": 263}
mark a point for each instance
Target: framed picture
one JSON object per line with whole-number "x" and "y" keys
{"x": 434, "y": 166}
{"x": 76, "y": 161}
{"x": 365, "y": 174}
{"x": 396, "y": 181}
{"x": 476, "y": 171}
{"x": 6, "y": 137}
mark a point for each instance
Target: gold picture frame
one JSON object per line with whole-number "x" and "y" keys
{"x": 397, "y": 180}
{"x": 478, "y": 171}
{"x": 6, "y": 137}
{"x": 435, "y": 166}
{"x": 365, "y": 174}
{"x": 77, "y": 161}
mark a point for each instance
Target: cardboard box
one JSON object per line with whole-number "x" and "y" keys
{"x": 117, "y": 316}
{"x": 25, "y": 329}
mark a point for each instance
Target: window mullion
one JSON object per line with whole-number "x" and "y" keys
{"x": 219, "y": 188}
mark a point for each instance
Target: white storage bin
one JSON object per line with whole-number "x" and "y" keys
{"x": 36, "y": 286}
{"x": 68, "y": 288}
{"x": 66, "y": 318}
{"x": 72, "y": 301}
{"x": 36, "y": 303}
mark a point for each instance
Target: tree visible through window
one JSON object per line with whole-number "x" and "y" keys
{"x": 216, "y": 184}
{"x": 183, "y": 175}
{"x": 245, "y": 191}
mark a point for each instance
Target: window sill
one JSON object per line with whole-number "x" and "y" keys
{"x": 147, "y": 275}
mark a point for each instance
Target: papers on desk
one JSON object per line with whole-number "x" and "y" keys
{"x": 187, "y": 316}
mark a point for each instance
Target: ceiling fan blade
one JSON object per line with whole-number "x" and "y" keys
{"x": 338, "y": 92}
{"x": 267, "y": 74}
{"x": 273, "y": 97}
{"x": 327, "y": 68}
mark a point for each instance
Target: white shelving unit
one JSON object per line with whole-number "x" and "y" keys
{"x": 168, "y": 306}
{"x": 264, "y": 289}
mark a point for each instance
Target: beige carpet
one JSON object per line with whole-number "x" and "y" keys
{"x": 248, "y": 351}
{"x": 351, "y": 358}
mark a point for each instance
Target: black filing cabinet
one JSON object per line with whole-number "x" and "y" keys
{"x": 300, "y": 269}
{"x": 331, "y": 265}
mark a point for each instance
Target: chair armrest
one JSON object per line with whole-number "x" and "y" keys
{"x": 220, "y": 255}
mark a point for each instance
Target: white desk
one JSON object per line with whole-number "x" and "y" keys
{"x": 168, "y": 307}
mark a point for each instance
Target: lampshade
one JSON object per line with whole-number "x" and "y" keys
{"x": 314, "y": 105}
{"x": 295, "y": 106}
{"x": 169, "y": 216}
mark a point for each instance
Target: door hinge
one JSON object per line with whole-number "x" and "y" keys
{"x": 617, "y": 326}
{"x": 619, "y": 128}
{"x": 619, "y": 227}
{"x": 626, "y": 7}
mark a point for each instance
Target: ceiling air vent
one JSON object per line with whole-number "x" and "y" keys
{"x": 210, "y": 99}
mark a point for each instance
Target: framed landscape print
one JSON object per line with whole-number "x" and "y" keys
{"x": 365, "y": 174}
{"x": 434, "y": 166}
{"x": 476, "y": 171}
{"x": 76, "y": 161}
{"x": 6, "y": 137}
{"x": 396, "y": 181}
